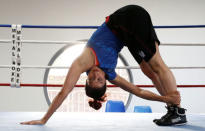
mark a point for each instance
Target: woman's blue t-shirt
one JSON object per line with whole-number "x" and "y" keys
{"x": 106, "y": 46}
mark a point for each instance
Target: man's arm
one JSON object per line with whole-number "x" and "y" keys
{"x": 145, "y": 94}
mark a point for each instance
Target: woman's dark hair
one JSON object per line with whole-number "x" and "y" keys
{"x": 96, "y": 94}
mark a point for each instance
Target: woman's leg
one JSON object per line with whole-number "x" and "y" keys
{"x": 166, "y": 78}
{"x": 147, "y": 70}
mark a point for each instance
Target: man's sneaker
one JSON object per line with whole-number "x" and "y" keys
{"x": 175, "y": 116}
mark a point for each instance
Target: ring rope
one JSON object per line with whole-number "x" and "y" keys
{"x": 61, "y": 85}
{"x": 46, "y": 42}
{"x": 95, "y": 27}
{"x": 83, "y": 42}
{"x": 183, "y": 44}
{"x": 119, "y": 67}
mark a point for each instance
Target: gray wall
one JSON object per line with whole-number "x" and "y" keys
{"x": 92, "y": 12}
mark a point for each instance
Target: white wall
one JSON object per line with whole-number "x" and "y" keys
{"x": 92, "y": 12}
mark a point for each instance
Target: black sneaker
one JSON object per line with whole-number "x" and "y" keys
{"x": 175, "y": 116}
{"x": 168, "y": 114}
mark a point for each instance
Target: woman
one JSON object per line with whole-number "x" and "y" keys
{"x": 129, "y": 26}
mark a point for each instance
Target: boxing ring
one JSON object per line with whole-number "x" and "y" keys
{"x": 95, "y": 122}
{"x": 83, "y": 121}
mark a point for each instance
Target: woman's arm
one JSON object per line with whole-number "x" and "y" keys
{"x": 173, "y": 98}
{"x": 80, "y": 65}
{"x": 71, "y": 79}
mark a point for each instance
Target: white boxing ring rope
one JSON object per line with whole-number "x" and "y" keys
{"x": 84, "y": 41}
{"x": 45, "y": 42}
{"x": 119, "y": 67}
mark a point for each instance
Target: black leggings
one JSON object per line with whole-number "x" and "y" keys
{"x": 132, "y": 24}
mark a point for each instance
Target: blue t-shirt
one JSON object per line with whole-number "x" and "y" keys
{"x": 106, "y": 46}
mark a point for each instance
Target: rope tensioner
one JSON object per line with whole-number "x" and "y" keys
{"x": 16, "y": 56}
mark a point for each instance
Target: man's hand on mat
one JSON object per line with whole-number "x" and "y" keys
{"x": 34, "y": 122}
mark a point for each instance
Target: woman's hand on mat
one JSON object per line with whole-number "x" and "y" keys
{"x": 173, "y": 98}
{"x": 34, "y": 122}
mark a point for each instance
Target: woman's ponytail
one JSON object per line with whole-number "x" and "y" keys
{"x": 96, "y": 104}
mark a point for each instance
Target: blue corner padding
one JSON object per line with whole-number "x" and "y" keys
{"x": 115, "y": 106}
{"x": 142, "y": 109}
